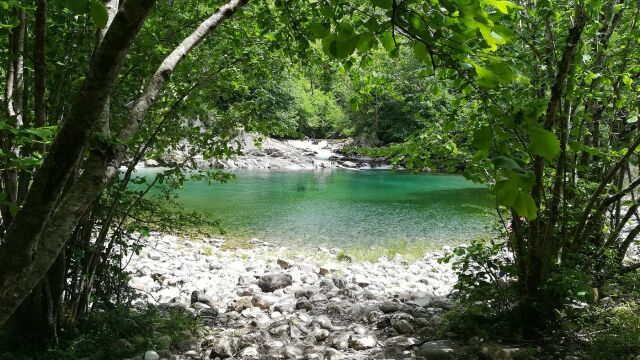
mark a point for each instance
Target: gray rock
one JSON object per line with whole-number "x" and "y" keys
{"x": 250, "y": 352}
{"x": 274, "y": 345}
{"x": 263, "y": 301}
{"x": 306, "y": 293}
{"x": 423, "y": 301}
{"x": 313, "y": 356}
{"x": 304, "y": 305}
{"x": 402, "y": 326}
{"x": 491, "y": 351}
{"x": 225, "y": 347}
{"x": 333, "y": 354}
{"x": 241, "y": 303}
{"x": 341, "y": 341}
{"x": 440, "y": 350}
{"x": 292, "y": 352}
{"x": 283, "y": 263}
{"x": 324, "y": 322}
{"x": 321, "y": 334}
{"x": 389, "y": 307}
{"x": 318, "y": 298}
{"x": 151, "y": 355}
{"x": 274, "y": 281}
{"x": 362, "y": 342}
{"x": 340, "y": 283}
{"x": 199, "y": 297}
{"x": 285, "y": 307}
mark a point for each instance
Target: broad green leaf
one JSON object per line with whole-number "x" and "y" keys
{"x": 509, "y": 194}
{"x": 345, "y": 48}
{"x": 421, "y": 52}
{"x": 544, "y": 143}
{"x": 99, "y": 14}
{"x": 387, "y": 41}
{"x": 525, "y": 206}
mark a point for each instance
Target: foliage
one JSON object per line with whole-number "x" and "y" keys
{"x": 618, "y": 334}
{"x": 104, "y": 334}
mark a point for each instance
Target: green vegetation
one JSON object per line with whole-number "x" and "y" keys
{"x": 112, "y": 335}
{"x": 408, "y": 251}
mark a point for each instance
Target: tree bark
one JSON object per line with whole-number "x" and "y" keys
{"x": 24, "y": 258}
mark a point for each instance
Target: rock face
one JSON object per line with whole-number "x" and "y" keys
{"x": 256, "y": 307}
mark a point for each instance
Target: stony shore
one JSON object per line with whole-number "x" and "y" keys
{"x": 272, "y": 302}
{"x": 261, "y": 152}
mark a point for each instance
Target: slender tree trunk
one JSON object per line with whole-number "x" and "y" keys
{"x": 539, "y": 256}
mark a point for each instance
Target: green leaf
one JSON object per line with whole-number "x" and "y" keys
{"x": 544, "y": 143}
{"x": 320, "y": 30}
{"x": 346, "y": 47}
{"x": 503, "y": 6}
{"x": 78, "y": 6}
{"x": 345, "y": 31}
{"x": 366, "y": 42}
{"x": 525, "y": 206}
{"x": 509, "y": 194}
{"x": 99, "y": 14}
{"x": 387, "y": 41}
{"x": 483, "y": 139}
{"x": 421, "y": 52}
{"x": 486, "y": 77}
{"x": 506, "y": 163}
{"x": 385, "y": 4}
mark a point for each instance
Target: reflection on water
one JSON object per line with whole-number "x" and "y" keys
{"x": 343, "y": 207}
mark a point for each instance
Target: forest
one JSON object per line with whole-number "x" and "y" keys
{"x": 319, "y": 179}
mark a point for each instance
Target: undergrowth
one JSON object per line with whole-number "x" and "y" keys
{"x": 109, "y": 335}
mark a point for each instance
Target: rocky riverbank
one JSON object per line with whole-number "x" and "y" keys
{"x": 261, "y": 152}
{"x": 277, "y": 303}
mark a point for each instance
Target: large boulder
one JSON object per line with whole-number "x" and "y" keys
{"x": 274, "y": 281}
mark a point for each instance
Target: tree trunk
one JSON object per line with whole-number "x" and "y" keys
{"x": 24, "y": 258}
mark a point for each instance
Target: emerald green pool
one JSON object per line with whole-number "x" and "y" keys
{"x": 344, "y": 207}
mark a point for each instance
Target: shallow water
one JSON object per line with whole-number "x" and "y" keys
{"x": 343, "y": 207}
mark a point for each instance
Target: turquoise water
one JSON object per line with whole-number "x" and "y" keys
{"x": 343, "y": 207}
